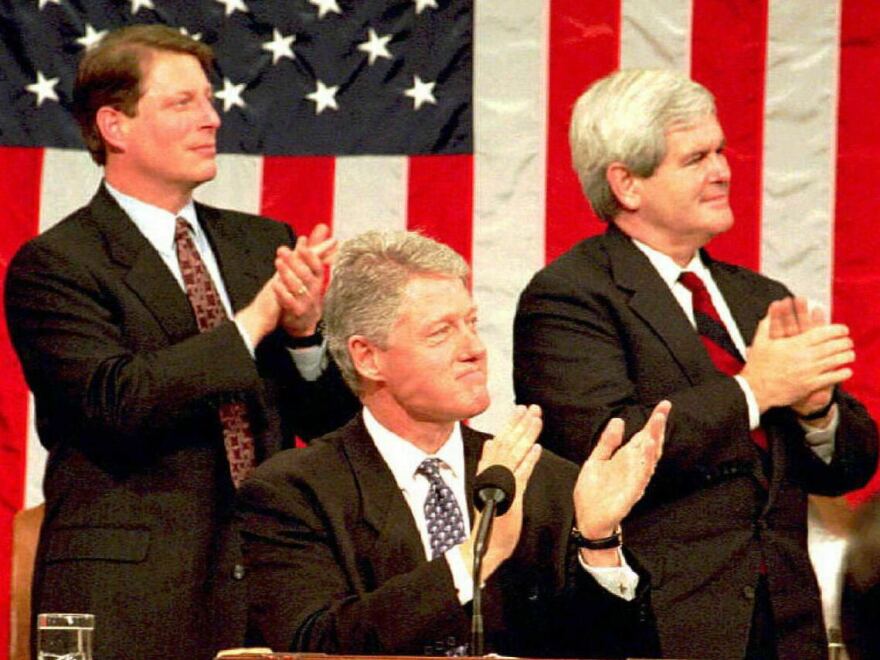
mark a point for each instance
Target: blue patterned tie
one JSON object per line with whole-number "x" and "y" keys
{"x": 445, "y": 523}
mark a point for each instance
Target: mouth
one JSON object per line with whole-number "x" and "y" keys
{"x": 206, "y": 149}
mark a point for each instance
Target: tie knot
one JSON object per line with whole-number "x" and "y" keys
{"x": 182, "y": 229}
{"x": 692, "y": 282}
{"x": 430, "y": 467}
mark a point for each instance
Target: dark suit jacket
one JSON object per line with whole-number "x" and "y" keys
{"x": 335, "y": 564}
{"x": 139, "y": 500}
{"x": 598, "y": 334}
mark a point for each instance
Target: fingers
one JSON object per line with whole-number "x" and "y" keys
{"x": 320, "y": 233}
{"x": 609, "y": 441}
{"x": 777, "y": 313}
{"x": 511, "y": 446}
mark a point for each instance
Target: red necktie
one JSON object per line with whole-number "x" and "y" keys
{"x": 208, "y": 308}
{"x": 713, "y": 333}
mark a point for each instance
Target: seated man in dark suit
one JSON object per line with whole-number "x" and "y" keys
{"x": 360, "y": 543}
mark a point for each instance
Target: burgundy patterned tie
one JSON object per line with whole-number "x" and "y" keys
{"x": 713, "y": 333}
{"x": 208, "y": 308}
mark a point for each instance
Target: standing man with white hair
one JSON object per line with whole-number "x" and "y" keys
{"x": 643, "y": 313}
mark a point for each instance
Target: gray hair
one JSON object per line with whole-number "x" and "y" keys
{"x": 624, "y": 117}
{"x": 369, "y": 276}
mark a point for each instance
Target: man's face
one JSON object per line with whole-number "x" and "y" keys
{"x": 685, "y": 201}
{"x": 170, "y": 143}
{"x": 434, "y": 366}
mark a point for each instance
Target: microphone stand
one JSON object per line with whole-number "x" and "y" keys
{"x": 480, "y": 544}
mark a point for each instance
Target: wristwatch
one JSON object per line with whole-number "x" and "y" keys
{"x": 613, "y": 541}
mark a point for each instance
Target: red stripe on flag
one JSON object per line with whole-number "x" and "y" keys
{"x": 739, "y": 31}
{"x": 856, "y": 240}
{"x": 584, "y": 46}
{"x": 20, "y": 201}
{"x": 440, "y": 202}
{"x": 298, "y": 190}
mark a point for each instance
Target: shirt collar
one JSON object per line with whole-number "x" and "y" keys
{"x": 666, "y": 266}
{"x": 156, "y": 224}
{"x": 403, "y": 457}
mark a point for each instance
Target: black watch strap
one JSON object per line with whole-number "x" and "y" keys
{"x": 613, "y": 541}
{"x": 306, "y": 342}
{"x": 822, "y": 412}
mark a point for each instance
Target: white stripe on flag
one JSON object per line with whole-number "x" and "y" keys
{"x": 510, "y": 124}
{"x": 800, "y": 147}
{"x": 70, "y": 178}
{"x": 238, "y": 184}
{"x": 370, "y": 192}
{"x": 655, "y": 34}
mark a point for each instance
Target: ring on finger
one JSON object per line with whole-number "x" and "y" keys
{"x": 302, "y": 290}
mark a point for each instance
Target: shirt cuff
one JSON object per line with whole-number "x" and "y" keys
{"x": 751, "y": 402}
{"x": 821, "y": 441}
{"x": 310, "y": 361}
{"x": 621, "y": 581}
{"x": 244, "y": 337}
{"x": 461, "y": 576}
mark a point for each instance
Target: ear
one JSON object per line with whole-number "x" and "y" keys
{"x": 113, "y": 125}
{"x": 626, "y": 186}
{"x": 365, "y": 357}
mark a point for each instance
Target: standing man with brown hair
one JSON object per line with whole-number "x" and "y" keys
{"x": 643, "y": 313}
{"x": 167, "y": 357}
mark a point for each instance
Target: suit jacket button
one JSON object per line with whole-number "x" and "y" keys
{"x": 238, "y": 572}
{"x": 749, "y": 592}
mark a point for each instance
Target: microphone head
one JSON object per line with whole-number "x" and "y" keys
{"x": 495, "y": 483}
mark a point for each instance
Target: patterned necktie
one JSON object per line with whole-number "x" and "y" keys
{"x": 208, "y": 308}
{"x": 445, "y": 523}
{"x": 713, "y": 333}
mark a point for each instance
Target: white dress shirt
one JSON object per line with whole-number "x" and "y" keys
{"x": 404, "y": 458}
{"x": 821, "y": 441}
{"x": 158, "y": 226}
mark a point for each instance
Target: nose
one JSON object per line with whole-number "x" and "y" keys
{"x": 719, "y": 168}
{"x": 210, "y": 117}
{"x": 472, "y": 346}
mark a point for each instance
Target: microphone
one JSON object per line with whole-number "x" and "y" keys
{"x": 495, "y": 484}
{"x": 494, "y": 490}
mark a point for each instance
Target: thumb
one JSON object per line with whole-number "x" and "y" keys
{"x": 609, "y": 441}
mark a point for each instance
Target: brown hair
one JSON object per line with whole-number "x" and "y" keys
{"x": 110, "y": 74}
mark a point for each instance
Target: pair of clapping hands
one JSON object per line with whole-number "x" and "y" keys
{"x": 611, "y": 481}
{"x": 292, "y": 298}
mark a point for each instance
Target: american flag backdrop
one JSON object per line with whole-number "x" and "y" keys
{"x": 451, "y": 116}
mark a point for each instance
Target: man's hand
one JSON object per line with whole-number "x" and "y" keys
{"x": 614, "y": 478}
{"x": 261, "y": 316}
{"x": 514, "y": 448}
{"x": 299, "y": 285}
{"x": 790, "y": 317}
{"x": 797, "y": 357}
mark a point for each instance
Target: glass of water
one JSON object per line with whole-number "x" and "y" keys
{"x": 65, "y": 636}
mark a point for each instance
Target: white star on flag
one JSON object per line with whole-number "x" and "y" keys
{"x": 421, "y": 92}
{"x": 91, "y": 37}
{"x": 231, "y": 95}
{"x": 325, "y": 6}
{"x": 376, "y": 46}
{"x": 43, "y": 3}
{"x": 280, "y": 46}
{"x": 44, "y": 88}
{"x": 424, "y": 4}
{"x": 233, "y": 5}
{"x": 197, "y": 36}
{"x": 137, "y": 5}
{"x": 324, "y": 97}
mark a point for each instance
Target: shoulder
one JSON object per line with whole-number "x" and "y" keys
{"x": 242, "y": 222}
{"x": 757, "y": 284}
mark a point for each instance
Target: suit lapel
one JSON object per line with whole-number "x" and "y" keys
{"x": 232, "y": 251}
{"x": 147, "y": 276}
{"x": 651, "y": 299}
{"x": 394, "y": 545}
